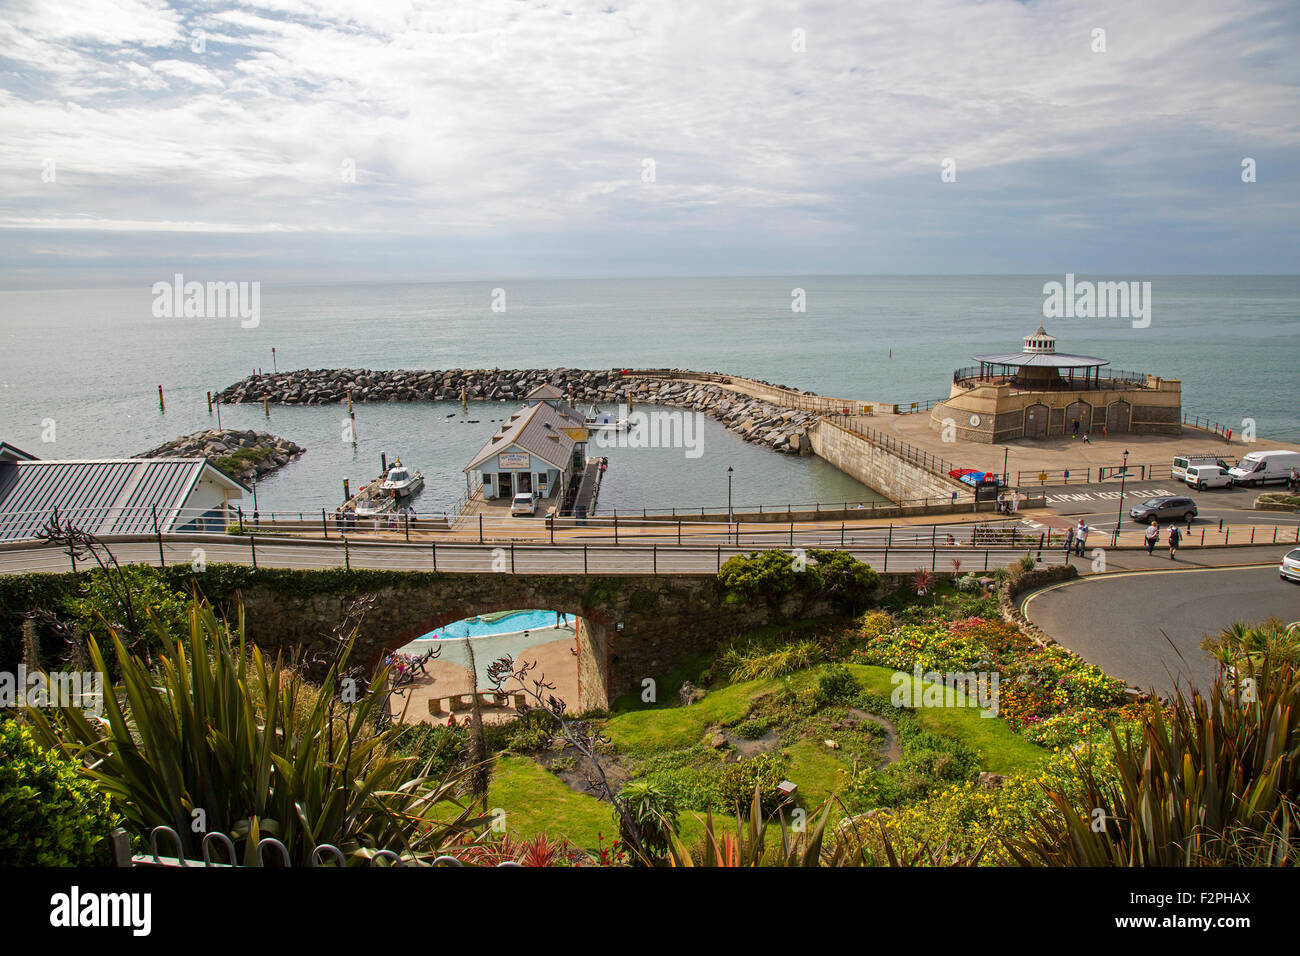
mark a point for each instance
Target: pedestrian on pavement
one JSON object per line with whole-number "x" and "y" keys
{"x": 1069, "y": 542}
{"x": 1081, "y": 537}
{"x": 1175, "y": 536}
{"x": 1293, "y": 480}
{"x": 1086, "y": 439}
{"x": 1152, "y": 536}
{"x": 1076, "y": 428}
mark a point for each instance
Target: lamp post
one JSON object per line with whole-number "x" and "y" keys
{"x": 1006, "y": 454}
{"x": 255, "y": 521}
{"x": 730, "y": 470}
{"x": 1119, "y": 519}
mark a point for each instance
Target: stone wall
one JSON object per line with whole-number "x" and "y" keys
{"x": 876, "y": 467}
{"x": 664, "y": 619}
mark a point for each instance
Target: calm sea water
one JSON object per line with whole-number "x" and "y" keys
{"x": 91, "y": 361}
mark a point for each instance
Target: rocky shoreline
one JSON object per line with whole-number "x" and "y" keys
{"x": 238, "y": 452}
{"x": 779, "y": 427}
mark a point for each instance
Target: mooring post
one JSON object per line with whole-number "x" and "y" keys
{"x": 162, "y": 407}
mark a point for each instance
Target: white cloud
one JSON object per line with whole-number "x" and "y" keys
{"x": 465, "y": 118}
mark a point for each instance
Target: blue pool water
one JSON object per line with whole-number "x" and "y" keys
{"x": 510, "y": 624}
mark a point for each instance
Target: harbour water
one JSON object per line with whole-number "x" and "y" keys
{"x": 82, "y": 367}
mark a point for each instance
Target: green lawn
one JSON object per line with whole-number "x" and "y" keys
{"x": 536, "y": 801}
{"x": 1005, "y": 751}
{"x": 674, "y": 728}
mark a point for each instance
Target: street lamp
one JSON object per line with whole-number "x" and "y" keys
{"x": 729, "y": 473}
{"x": 1119, "y": 519}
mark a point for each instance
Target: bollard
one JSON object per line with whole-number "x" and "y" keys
{"x": 512, "y": 557}
{"x": 654, "y": 559}
{"x": 434, "y": 547}
{"x": 162, "y": 407}
{"x": 324, "y": 524}
{"x": 252, "y": 549}
{"x": 584, "y": 559}
{"x": 480, "y": 528}
{"x": 347, "y": 561}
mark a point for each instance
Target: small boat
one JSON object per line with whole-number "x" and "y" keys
{"x": 401, "y": 482}
{"x": 370, "y": 507}
{"x": 604, "y": 421}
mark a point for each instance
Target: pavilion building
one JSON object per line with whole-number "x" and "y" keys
{"x": 1039, "y": 393}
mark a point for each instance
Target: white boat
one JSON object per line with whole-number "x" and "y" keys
{"x": 604, "y": 421}
{"x": 400, "y": 482}
{"x": 370, "y": 507}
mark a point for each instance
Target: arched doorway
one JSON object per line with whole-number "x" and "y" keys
{"x": 1037, "y": 418}
{"x": 1118, "y": 416}
{"x": 1080, "y": 412}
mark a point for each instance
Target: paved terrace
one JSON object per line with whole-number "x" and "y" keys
{"x": 1055, "y": 455}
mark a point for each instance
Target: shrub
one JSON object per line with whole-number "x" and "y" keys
{"x": 762, "y": 660}
{"x": 848, "y": 582}
{"x": 50, "y": 815}
{"x": 968, "y": 583}
{"x": 753, "y": 728}
{"x": 758, "y": 576}
{"x": 875, "y": 624}
{"x": 836, "y": 685}
{"x": 738, "y": 781}
{"x": 654, "y": 811}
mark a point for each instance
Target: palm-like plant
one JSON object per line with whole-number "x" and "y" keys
{"x": 227, "y": 741}
{"x": 1244, "y": 647}
{"x": 1216, "y": 783}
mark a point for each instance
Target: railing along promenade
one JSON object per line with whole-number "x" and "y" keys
{"x": 605, "y": 545}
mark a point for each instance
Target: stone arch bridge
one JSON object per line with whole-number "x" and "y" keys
{"x": 633, "y": 627}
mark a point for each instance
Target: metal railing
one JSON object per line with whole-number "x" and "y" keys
{"x": 1111, "y": 380}
{"x": 910, "y": 408}
{"x": 1147, "y": 471}
{"x": 218, "y": 850}
{"x": 1196, "y": 421}
{"x": 895, "y": 446}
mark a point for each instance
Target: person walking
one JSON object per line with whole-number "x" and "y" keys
{"x": 1076, "y": 428}
{"x": 1175, "y": 536}
{"x": 1152, "y": 536}
{"x": 1069, "y": 542}
{"x": 1081, "y": 537}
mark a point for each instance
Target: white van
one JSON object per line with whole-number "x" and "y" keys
{"x": 1183, "y": 462}
{"x": 1261, "y": 467}
{"x": 1201, "y": 477}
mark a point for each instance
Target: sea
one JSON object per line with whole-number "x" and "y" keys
{"x": 80, "y": 368}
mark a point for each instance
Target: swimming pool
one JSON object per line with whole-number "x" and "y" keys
{"x": 478, "y": 627}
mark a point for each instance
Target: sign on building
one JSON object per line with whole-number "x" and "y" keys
{"x": 513, "y": 459}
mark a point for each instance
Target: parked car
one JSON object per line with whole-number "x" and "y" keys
{"x": 1164, "y": 508}
{"x": 1201, "y": 477}
{"x": 1261, "y": 467}
{"x": 522, "y": 504}
{"x": 1183, "y": 462}
{"x": 1289, "y": 569}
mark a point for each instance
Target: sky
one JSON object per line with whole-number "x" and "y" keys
{"x": 381, "y": 139}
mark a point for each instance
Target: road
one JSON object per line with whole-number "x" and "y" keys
{"x": 531, "y": 558}
{"x": 1146, "y": 626}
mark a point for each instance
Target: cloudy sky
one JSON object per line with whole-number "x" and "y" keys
{"x": 358, "y": 139}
